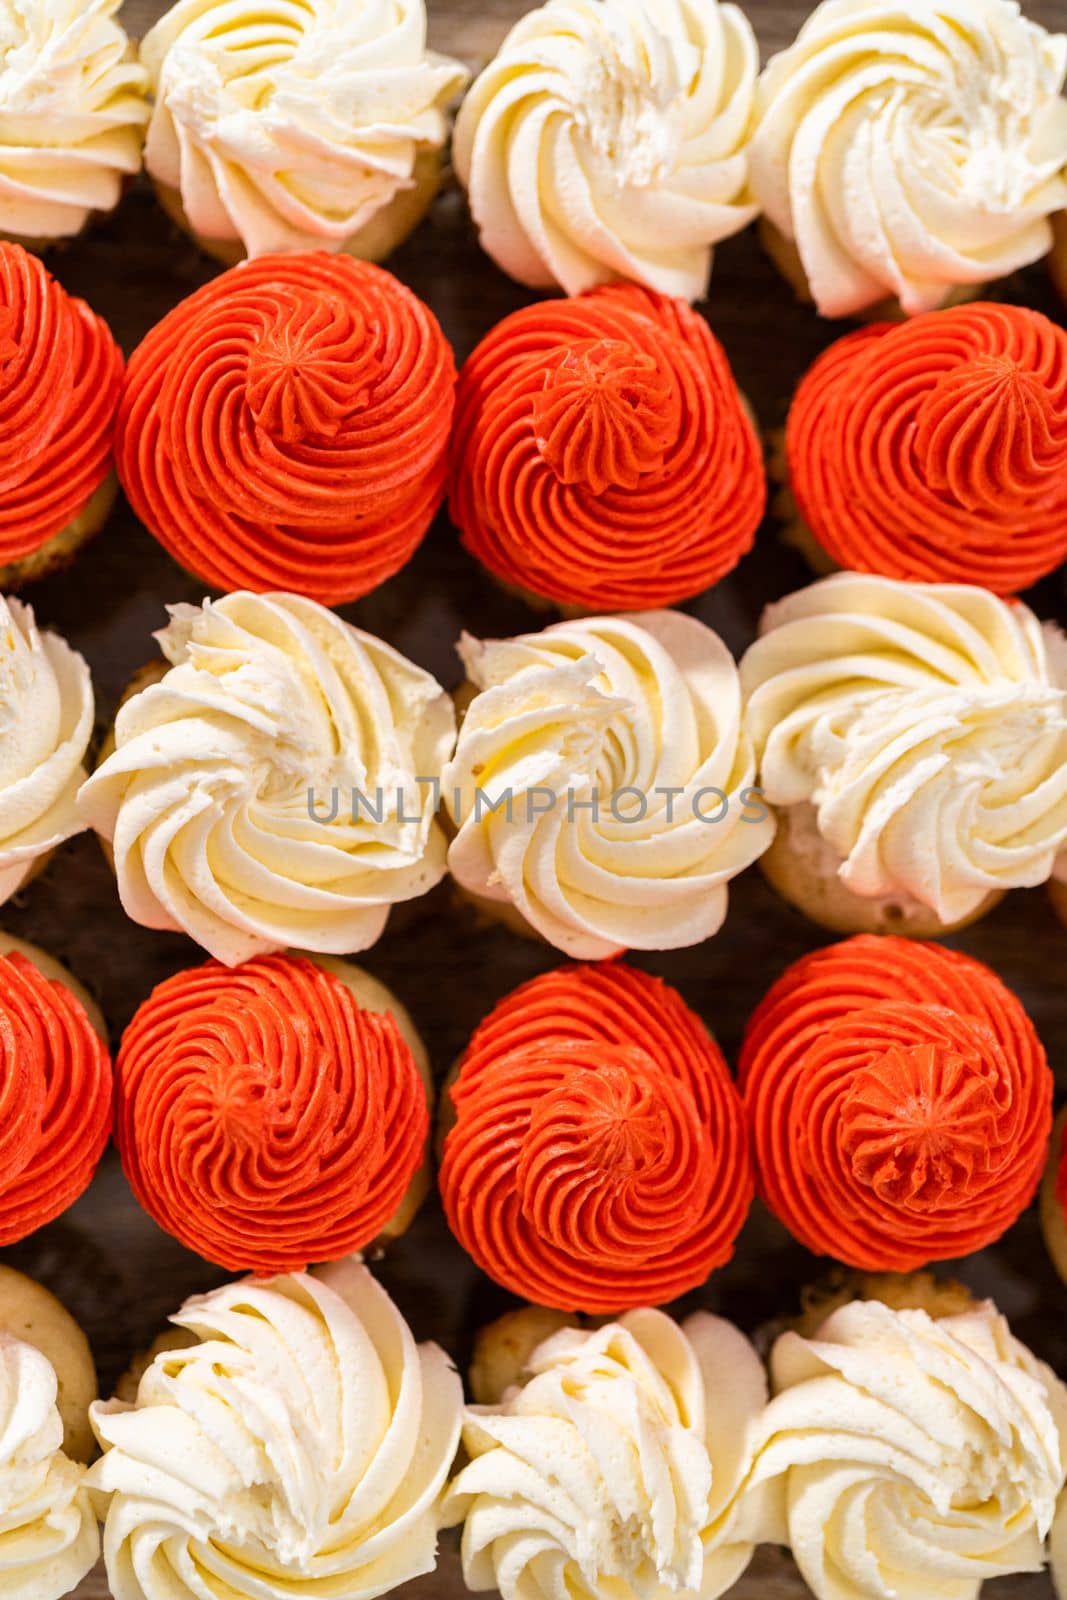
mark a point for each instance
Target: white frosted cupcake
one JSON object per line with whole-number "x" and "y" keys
{"x": 608, "y": 140}
{"x": 275, "y": 788}
{"x": 311, "y": 127}
{"x": 909, "y": 152}
{"x": 914, "y": 740}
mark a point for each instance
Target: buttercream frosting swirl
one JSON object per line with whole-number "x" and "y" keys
{"x": 599, "y": 1158}
{"x": 50, "y": 1536}
{"x": 608, "y": 140}
{"x": 602, "y": 455}
{"x": 613, "y": 753}
{"x": 937, "y": 449}
{"x": 55, "y": 1099}
{"x": 266, "y": 793}
{"x": 60, "y": 382}
{"x": 264, "y": 1117}
{"x": 910, "y": 149}
{"x": 298, "y": 1446}
{"x": 290, "y": 126}
{"x": 616, "y": 1466}
{"x": 287, "y": 426}
{"x": 900, "y": 1103}
{"x": 914, "y": 1457}
{"x": 927, "y": 724}
{"x": 72, "y": 114}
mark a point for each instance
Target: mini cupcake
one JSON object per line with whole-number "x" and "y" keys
{"x": 55, "y": 1094}
{"x": 274, "y": 1115}
{"x": 910, "y": 152}
{"x": 617, "y": 1465}
{"x": 936, "y": 450}
{"x": 286, "y": 427}
{"x": 900, "y": 1103}
{"x": 275, "y": 788}
{"x": 608, "y": 140}
{"x": 60, "y": 382}
{"x": 74, "y": 113}
{"x": 602, "y": 787}
{"x": 914, "y": 739}
{"x": 598, "y": 1159}
{"x": 321, "y": 127}
{"x": 297, "y": 1447}
{"x": 602, "y": 456}
{"x": 900, "y": 1450}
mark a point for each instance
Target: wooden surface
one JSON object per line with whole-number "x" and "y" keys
{"x": 116, "y": 1271}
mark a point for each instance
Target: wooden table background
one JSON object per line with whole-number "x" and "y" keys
{"x": 117, "y": 1272}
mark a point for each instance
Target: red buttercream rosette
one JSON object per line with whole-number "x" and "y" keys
{"x": 599, "y": 1159}
{"x": 602, "y": 456}
{"x": 900, "y": 1103}
{"x": 55, "y": 1098}
{"x": 60, "y": 381}
{"x": 935, "y": 450}
{"x": 263, "y": 1118}
{"x": 286, "y": 427}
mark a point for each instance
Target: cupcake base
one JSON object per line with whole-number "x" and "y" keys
{"x": 1057, "y": 261}
{"x": 1053, "y": 1220}
{"x": 503, "y": 1349}
{"x": 60, "y": 550}
{"x": 30, "y": 1313}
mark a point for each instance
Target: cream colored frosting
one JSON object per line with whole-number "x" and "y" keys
{"x": 608, "y": 140}
{"x": 912, "y": 147}
{"x": 914, "y": 1458}
{"x": 299, "y": 1446}
{"x": 928, "y": 727}
{"x": 46, "y": 721}
{"x": 221, "y": 794}
{"x": 290, "y": 124}
{"x": 616, "y": 709}
{"x": 617, "y": 1467}
{"x": 72, "y": 114}
{"x": 48, "y": 1533}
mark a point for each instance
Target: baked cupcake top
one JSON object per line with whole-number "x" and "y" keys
{"x": 74, "y": 107}
{"x": 599, "y": 1158}
{"x": 46, "y": 711}
{"x": 927, "y": 725}
{"x": 264, "y": 1117}
{"x": 607, "y": 140}
{"x": 55, "y": 1098}
{"x": 50, "y": 1535}
{"x": 286, "y": 427}
{"x": 287, "y": 127}
{"x": 908, "y": 150}
{"x": 617, "y": 1465}
{"x": 266, "y": 792}
{"x": 602, "y": 784}
{"x": 900, "y": 1103}
{"x": 936, "y": 449}
{"x": 60, "y": 380}
{"x": 934, "y": 1451}
{"x": 299, "y": 1445}
{"x": 602, "y": 456}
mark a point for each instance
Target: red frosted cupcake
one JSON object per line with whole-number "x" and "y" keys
{"x": 274, "y": 1114}
{"x": 900, "y": 1103}
{"x": 598, "y": 1160}
{"x": 55, "y": 1094}
{"x": 935, "y": 450}
{"x": 602, "y": 456}
{"x": 60, "y": 382}
{"x": 286, "y": 427}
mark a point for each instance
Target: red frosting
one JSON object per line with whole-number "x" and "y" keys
{"x": 263, "y": 1118}
{"x": 60, "y": 380}
{"x": 900, "y": 1103}
{"x": 602, "y": 456}
{"x": 286, "y": 427}
{"x": 55, "y": 1098}
{"x": 599, "y": 1159}
{"x": 935, "y": 450}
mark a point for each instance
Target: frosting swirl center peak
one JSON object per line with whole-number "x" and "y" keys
{"x": 313, "y": 369}
{"x": 607, "y": 416}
